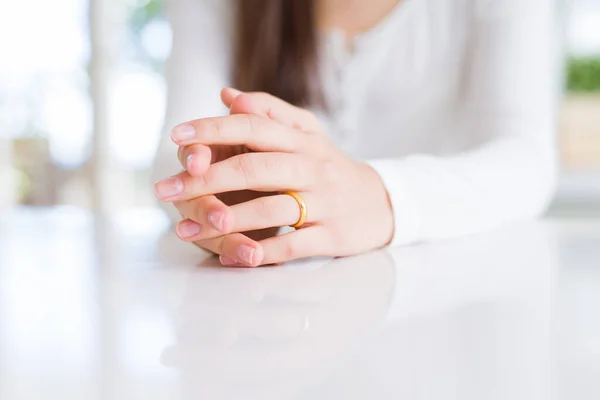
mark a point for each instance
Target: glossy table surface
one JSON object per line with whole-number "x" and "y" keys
{"x": 109, "y": 308}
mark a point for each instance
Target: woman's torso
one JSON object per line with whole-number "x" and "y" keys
{"x": 398, "y": 90}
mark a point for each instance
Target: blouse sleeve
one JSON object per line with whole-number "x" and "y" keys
{"x": 511, "y": 91}
{"x": 197, "y": 70}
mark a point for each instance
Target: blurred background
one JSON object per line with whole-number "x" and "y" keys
{"x": 82, "y": 99}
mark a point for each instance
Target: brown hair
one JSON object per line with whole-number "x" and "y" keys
{"x": 276, "y": 49}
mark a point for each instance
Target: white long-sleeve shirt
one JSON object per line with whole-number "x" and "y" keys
{"x": 451, "y": 102}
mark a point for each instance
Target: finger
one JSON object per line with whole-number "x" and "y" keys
{"x": 195, "y": 158}
{"x": 217, "y": 153}
{"x": 307, "y": 242}
{"x": 265, "y": 172}
{"x": 276, "y": 109}
{"x": 235, "y": 249}
{"x": 267, "y": 105}
{"x": 228, "y": 95}
{"x": 272, "y": 211}
{"x": 206, "y": 217}
{"x": 256, "y": 132}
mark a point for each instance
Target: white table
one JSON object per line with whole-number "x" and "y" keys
{"x": 104, "y": 308}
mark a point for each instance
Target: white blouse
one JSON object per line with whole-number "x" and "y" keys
{"x": 451, "y": 102}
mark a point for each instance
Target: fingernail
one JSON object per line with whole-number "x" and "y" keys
{"x": 216, "y": 219}
{"x": 188, "y": 229}
{"x": 188, "y": 162}
{"x": 246, "y": 253}
{"x": 169, "y": 187}
{"x": 183, "y": 132}
{"x": 227, "y": 261}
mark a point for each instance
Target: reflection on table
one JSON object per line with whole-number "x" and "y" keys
{"x": 108, "y": 308}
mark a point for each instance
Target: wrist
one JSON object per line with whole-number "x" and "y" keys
{"x": 381, "y": 204}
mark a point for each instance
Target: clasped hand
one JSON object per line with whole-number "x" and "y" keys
{"x": 237, "y": 166}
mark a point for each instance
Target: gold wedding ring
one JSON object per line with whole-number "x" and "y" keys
{"x": 303, "y": 210}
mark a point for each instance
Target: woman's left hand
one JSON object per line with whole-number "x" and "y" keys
{"x": 348, "y": 207}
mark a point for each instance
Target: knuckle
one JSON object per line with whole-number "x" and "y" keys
{"x": 208, "y": 128}
{"x": 338, "y": 206}
{"x": 253, "y": 126}
{"x": 250, "y": 120}
{"x": 210, "y": 245}
{"x": 314, "y": 140}
{"x": 221, "y": 244}
{"x": 272, "y": 162}
{"x": 216, "y": 127}
{"x": 245, "y": 165}
{"x": 202, "y": 181}
{"x": 193, "y": 186}
{"x": 290, "y": 250}
{"x": 316, "y": 136}
{"x": 294, "y": 168}
{"x": 258, "y": 124}
{"x": 269, "y": 209}
{"x": 329, "y": 171}
{"x": 196, "y": 210}
{"x": 264, "y": 207}
{"x": 310, "y": 123}
{"x": 204, "y": 126}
